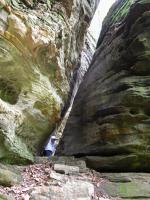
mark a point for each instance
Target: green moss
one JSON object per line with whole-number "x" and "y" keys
{"x": 136, "y": 188}
{"x": 118, "y": 12}
{"x": 2, "y": 197}
{"x": 15, "y": 160}
{"x": 144, "y": 1}
{"x": 121, "y": 12}
{"x": 14, "y": 150}
{"x": 127, "y": 189}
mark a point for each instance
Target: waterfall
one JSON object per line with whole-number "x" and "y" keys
{"x": 87, "y": 53}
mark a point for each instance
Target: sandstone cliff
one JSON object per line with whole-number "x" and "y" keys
{"x": 40, "y": 43}
{"x": 110, "y": 119}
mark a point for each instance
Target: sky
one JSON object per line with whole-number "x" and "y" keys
{"x": 99, "y": 16}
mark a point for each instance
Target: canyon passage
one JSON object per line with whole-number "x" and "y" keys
{"x": 93, "y": 92}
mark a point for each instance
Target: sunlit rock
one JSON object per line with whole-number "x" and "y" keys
{"x": 40, "y": 44}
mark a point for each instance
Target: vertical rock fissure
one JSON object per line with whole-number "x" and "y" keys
{"x": 85, "y": 59}
{"x": 77, "y": 77}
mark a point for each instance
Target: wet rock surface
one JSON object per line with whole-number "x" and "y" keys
{"x": 110, "y": 121}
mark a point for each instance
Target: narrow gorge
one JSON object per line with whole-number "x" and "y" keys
{"x": 64, "y": 72}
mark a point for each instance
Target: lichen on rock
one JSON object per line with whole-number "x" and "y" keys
{"x": 39, "y": 46}
{"x": 110, "y": 119}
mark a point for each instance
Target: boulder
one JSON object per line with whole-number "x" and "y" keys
{"x": 70, "y": 161}
{"x": 57, "y": 176}
{"x": 65, "y": 169}
{"x": 73, "y": 189}
{"x": 120, "y": 163}
{"x": 9, "y": 177}
{"x": 64, "y": 160}
{"x": 136, "y": 188}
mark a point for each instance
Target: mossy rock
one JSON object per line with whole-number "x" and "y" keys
{"x": 5, "y": 197}
{"x": 128, "y": 190}
{"x": 9, "y": 178}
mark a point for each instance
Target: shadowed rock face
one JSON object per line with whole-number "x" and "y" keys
{"x": 110, "y": 119}
{"x": 39, "y": 46}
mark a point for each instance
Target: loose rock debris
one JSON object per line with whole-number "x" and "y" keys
{"x": 41, "y": 181}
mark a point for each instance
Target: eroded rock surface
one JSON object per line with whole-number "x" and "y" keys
{"x": 72, "y": 189}
{"x": 127, "y": 185}
{"x": 41, "y": 181}
{"x": 40, "y": 43}
{"x": 110, "y": 119}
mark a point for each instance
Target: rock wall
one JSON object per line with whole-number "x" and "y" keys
{"x": 110, "y": 119}
{"x": 40, "y": 42}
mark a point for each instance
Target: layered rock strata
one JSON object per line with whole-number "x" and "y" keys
{"x": 110, "y": 119}
{"x": 40, "y": 43}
